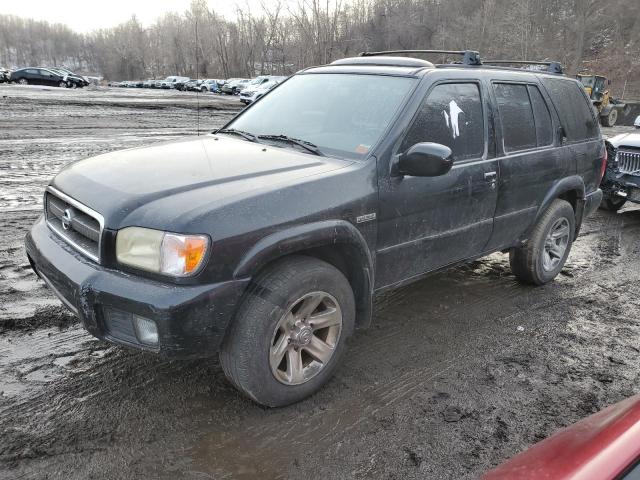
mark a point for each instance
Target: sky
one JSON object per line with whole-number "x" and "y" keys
{"x": 87, "y": 15}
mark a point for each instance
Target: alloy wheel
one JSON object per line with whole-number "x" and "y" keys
{"x": 305, "y": 338}
{"x": 556, "y": 243}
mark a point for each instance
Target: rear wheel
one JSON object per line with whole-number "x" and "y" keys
{"x": 23, "y": 81}
{"x": 542, "y": 258}
{"x": 610, "y": 119}
{"x": 290, "y": 331}
{"x": 613, "y": 204}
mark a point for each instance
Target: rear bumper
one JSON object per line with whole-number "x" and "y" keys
{"x": 191, "y": 319}
{"x": 592, "y": 202}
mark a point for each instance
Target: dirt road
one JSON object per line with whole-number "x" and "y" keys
{"x": 457, "y": 373}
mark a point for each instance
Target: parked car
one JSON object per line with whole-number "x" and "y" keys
{"x": 267, "y": 240}
{"x": 209, "y": 85}
{"x": 72, "y": 80}
{"x": 79, "y": 80}
{"x": 621, "y": 182}
{"x": 38, "y": 76}
{"x": 193, "y": 85}
{"x": 233, "y": 86}
{"x": 255, "y": 82}
{"x": 250, "y": 95}
{"x": 181, "y": 84}
{"x": 604, "y": 446}
{"x": 4, "y": 75}
{"x": 170, "y": 82}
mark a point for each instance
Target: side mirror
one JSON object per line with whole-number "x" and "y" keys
{"x": 426, "y": 160}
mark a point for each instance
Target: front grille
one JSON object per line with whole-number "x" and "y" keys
{"x": 628, "y": 161}
{"x": 75, "y": 223}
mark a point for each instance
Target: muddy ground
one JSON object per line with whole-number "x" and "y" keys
{"x": 458, "y": 372}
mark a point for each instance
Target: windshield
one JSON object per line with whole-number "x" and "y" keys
{"x": 343, "y": 114}
{"x": 588, "y": 81}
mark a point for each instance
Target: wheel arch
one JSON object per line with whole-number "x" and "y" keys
{"x": 571, "y": 189}
{"x": 336, "y": 242}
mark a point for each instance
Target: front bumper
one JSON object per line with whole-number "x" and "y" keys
{"x": 191, "y": 319}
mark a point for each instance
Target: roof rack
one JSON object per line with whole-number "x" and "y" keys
{"x": 552, "y": 67}
{"x": 469, "y": 57}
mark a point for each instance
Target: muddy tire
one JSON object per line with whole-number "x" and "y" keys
{"x": 281, "y": 346}
{"x": 613, "y": 204}
{"x": 541, "y": 259}
{"x": 610, "y": 119}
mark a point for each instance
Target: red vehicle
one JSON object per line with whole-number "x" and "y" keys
{"x": 604, "y": 446}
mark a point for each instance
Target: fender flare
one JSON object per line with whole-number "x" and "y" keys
{"x": 325, "y": 233}
{"x": 573, "y": 183}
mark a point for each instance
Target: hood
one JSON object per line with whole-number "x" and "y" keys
{"x": 625, "y": 139}
{"x": 145, "y": 186}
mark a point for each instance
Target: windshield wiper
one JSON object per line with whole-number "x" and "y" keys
{"x": 310, "y": 147}
{"x": 246, "y": 135}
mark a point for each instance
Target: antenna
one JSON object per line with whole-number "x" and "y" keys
{"x": 197, "y": 86}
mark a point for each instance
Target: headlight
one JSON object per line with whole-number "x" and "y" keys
{"x": 161, "y": 252}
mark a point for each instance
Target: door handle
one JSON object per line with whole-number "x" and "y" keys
{"x": 490, "y": 176}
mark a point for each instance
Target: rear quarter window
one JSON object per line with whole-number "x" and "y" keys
{"x": 573, "y": 107}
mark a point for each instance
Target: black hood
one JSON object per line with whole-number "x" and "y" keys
{"x": 133, "y": 186}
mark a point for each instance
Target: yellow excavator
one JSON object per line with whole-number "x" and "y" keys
{"x": 607, "y": 107}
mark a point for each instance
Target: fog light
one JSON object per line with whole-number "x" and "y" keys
{"x": 146, "y": 330}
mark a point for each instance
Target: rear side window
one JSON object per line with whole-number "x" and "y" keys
{"x": 516, "y": 115}
{"x": 544, "y": 126}
{"x": 573, "y": 108}
{"x": 451, "y": 115}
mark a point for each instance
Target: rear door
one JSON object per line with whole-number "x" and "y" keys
{"x": 530, "y": 157}
{"x": 47, "y": 78}
{"x": 428, "y": 222}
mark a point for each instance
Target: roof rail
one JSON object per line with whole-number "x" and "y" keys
{"x": 469, "y": 57}
{"x": 552, "y": 67}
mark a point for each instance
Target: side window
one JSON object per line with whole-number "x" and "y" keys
{"x": 516, "y": 116}
{"x": 32, "y": 71}
{"x": 450, "y": 115}
{"x": 544, "y": 126}
{"x": 574, "y": 109}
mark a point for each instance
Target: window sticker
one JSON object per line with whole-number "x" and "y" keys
{"x": 454, "y": 113}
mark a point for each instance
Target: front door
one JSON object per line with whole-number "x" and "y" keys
{"x": 426, "y": 223}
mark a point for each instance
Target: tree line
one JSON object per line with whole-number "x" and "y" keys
{"x": 585, "y": 35}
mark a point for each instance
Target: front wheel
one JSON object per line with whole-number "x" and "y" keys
{"x": 541, "y": 259}
{"x": 289, "y": 332}
{"x": 62, "y": 84}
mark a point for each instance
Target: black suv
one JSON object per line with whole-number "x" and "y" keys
{"x": 267, "y": 240}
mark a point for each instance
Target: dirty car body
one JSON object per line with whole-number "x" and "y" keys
{"x": 322, "y": 174}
